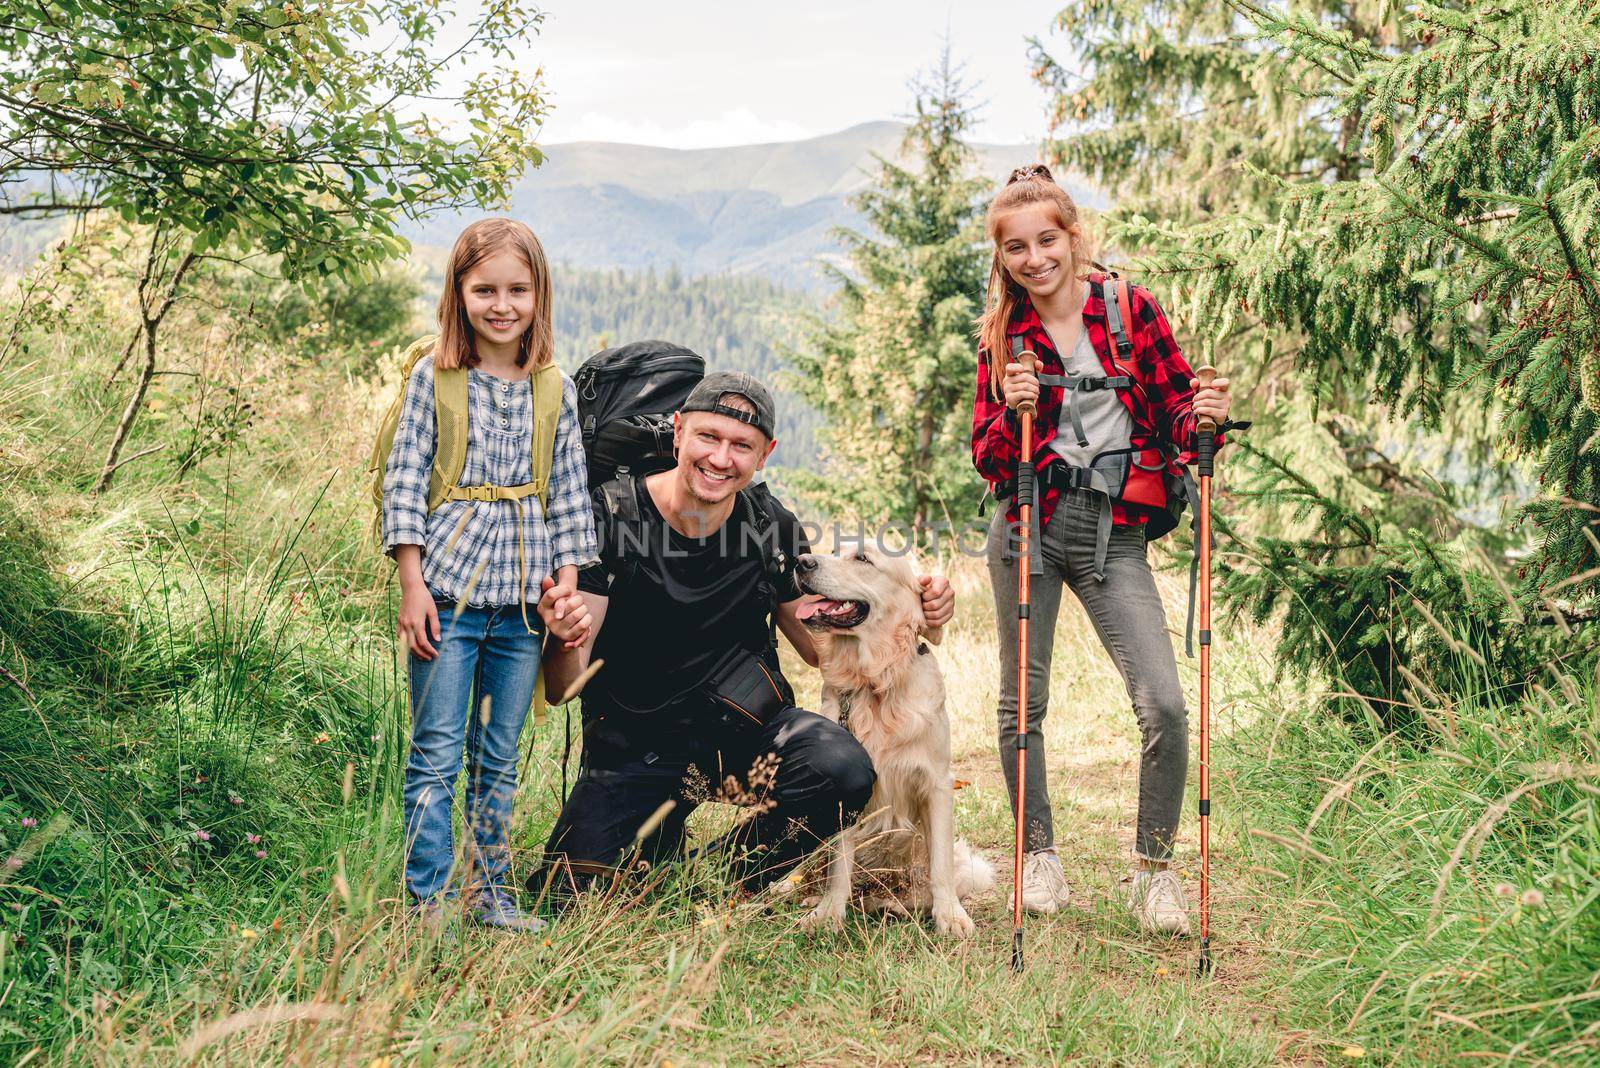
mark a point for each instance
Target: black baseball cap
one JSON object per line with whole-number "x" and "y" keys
{"x": 707, "y": 397}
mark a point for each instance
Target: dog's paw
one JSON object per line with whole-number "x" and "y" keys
{"x": 952, "y": 920}
{"x": 827, "y": 916}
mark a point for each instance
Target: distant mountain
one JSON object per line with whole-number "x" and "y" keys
{"x": 765, "y": 210}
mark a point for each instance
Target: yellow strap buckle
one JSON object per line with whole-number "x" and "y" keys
{"x": 493, "y": 493}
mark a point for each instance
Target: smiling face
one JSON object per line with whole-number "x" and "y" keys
{"x": 718, "y": 455}
{"x": 1037, "y": 251}
{"x": 497, "y": 296}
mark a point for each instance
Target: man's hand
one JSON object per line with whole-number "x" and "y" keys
{"x": 564, "y": 613}
{"x": 938, "y": 600}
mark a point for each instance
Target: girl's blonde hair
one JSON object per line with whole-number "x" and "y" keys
{"x": 1027, "y": 187}
{"x": 457, "y": 344}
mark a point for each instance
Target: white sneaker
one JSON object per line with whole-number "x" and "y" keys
{"x": 1044, "y": 884}
{"x": 1158, "y": 902}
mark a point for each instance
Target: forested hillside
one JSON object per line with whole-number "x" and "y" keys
{"x": 737, "y": 322}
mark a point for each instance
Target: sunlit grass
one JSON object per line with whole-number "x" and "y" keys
{"x": 202, "y": 727}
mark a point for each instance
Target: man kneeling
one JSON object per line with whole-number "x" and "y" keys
{"x": 695, "y": 579}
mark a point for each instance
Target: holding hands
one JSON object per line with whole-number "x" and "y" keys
{"x": 564, "y": 612}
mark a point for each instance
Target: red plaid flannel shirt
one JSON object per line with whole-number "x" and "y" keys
{"x": 1161, "y": 402}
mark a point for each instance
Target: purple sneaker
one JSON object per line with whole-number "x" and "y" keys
{"x": 495, "y": 907}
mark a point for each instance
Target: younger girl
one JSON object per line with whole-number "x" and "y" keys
{"x": 1124, "y": 412}
{"x": 471, "y": 567}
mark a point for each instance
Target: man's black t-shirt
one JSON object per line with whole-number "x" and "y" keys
{"x": 676, "y": 605}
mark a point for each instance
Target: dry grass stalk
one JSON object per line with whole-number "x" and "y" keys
{"x": 1299, "y": 846}
{"x": 581, "y": 681}
{"x": 264, "y": 1016}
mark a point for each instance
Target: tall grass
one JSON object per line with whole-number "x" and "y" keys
{"x": 202, "y": 726}
{"x": 1445, "y": 890}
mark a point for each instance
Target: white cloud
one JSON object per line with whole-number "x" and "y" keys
{"x": 739, "y": 126}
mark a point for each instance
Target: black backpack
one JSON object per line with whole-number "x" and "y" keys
{"x": 626, "y": 398}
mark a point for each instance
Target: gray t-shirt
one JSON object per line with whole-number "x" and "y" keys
{"x": 1106, "y": 420}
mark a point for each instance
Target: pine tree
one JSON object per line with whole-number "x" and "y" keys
{"x": 1448, "y": 273}
{"x": 891, "y": 372}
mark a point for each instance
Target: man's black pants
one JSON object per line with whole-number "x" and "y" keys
{"x": 822, "y": 780}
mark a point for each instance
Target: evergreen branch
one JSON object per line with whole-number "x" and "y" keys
{"x": 1582, "y": 273}
{"x": 1283, "y": 24}
{"x": 1460, "y": 233}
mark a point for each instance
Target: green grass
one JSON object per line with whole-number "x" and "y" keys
{"x": 213, "y": 654}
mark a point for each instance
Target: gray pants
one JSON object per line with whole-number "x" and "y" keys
{"x": 1126, "y": 611}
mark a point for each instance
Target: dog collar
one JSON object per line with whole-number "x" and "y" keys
{"x": 846, "y": 699}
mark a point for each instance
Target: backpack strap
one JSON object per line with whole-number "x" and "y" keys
{"x": 1119, "y": 312}
{"x": 547, "y": 391}
{"x": 1193, "y": 493}
{"x": 775, "y": 563}
{"x": 450, "y": 422}
{"x": 758, "y": 504}
{"x": 383, "y": 444}
{"x": 622, "y": 536}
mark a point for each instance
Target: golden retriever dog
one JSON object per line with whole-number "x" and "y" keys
{"x": 881, "y": 682}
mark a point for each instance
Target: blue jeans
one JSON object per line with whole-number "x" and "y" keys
{"x": 474, "y": 694}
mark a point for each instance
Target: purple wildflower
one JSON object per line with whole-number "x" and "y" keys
{"x": 261, "y": 854}
{"x": 204, "y": 836}
{"x": 253, "y": 839}
{"x": 29, "y": 821}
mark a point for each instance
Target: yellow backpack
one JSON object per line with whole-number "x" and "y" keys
{"x": 450, "y": 451}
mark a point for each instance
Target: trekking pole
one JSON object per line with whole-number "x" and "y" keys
{"x": 1207, "y": 435}
{"x": 1025, "y": 488}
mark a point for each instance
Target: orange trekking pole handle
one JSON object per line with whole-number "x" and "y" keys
{"x": 1206, "y": 433}
{"x": 1025, "y": 492}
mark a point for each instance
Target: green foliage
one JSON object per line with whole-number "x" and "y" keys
{"x": 338, "y": 319}
{"x": 1177, "y": 120}
{"x": 282, "y": 127}
{"x": 892, "y": 373}
{"x": 1367, "y": 596}
{"x": 737, "y": 322}
{"x": 214, "y": 131}
{"x": 163, "y": 759}
{"x": 1447, "y": 893}
{"x": 1420, "y": 254}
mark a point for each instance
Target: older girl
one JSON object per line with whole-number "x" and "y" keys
{"x": 1107, "y": 424}
{"x": 471, "y": 567}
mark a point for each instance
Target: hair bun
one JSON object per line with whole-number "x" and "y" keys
{"x": 1032, "y": 170}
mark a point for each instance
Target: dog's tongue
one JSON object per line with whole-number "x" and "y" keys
{"x": 812, "y": 608}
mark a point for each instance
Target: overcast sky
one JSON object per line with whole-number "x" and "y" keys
{"x": 694, "y": 73}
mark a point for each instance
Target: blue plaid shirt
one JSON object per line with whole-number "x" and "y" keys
{"x": 500, "y": 434}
